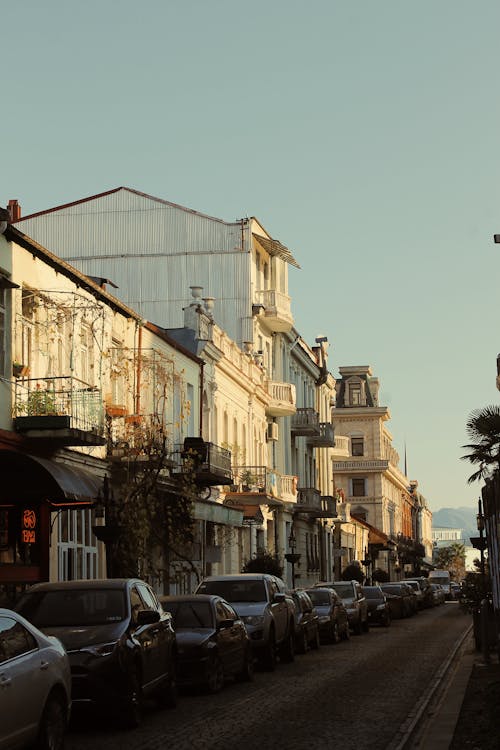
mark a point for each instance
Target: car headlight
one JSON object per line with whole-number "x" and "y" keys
{"x": 253, "y": 619}
{"x": 102, "y": 649}
{"x": 380, "y": 606}
{"x": 323, "y": 619}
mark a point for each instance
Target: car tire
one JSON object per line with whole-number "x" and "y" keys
{"x": 303, "y": 643}
{"x": 316, "y": 641}
{"x": 167, "y": 696}
{"x": 247, "y": 673}
{"x": 131, "y": 716}
{"x": 287, "y": 650}
{"x": 334, "y": 634}
{"x": 53, "y": 723}
{"x": 215, "y": 676}
{"x": 269, "y": 656}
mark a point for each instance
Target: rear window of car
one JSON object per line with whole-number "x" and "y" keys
{"x": 190, "y": 614}
{"x": 345, "y": 590}
{"x": 370, "y": 593}
{"x": 73, "y": 607}
{"x": 319, "y": 597}
{"x": 236, "y": 591}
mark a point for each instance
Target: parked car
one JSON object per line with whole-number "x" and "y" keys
{"x": 401, "y": 599}
{"x": 354, "y": 602}
{"x": 212, "y": 641}
{"x": 306, "y": 622}
{"x": 415, "y": 585}
{"x": 332, "y": 614}
{"x": 35, "y": 686}
{"x": 121, "y": 644}
{"x": 455, "y": 591}
{"x": 268, "y": 612}
{"x": 425, "y": 586}
{"x": 378, "y": 607}
{"x": 438, "y": 594}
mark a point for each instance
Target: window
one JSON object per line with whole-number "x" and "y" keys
{"x": 14, "y": 639}
{"x": 358, "y": 487}
{"x": 354, "y": 394}
{"x": 357, "y": 446}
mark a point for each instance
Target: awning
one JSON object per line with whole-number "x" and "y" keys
{"x": 252, "y": 498}
{"x": 206, "y": 510}
{"x": 275, "y": 248}
{"x": 27, "y": 477}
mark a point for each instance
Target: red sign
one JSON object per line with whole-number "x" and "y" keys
{"x": 28, "y": 533}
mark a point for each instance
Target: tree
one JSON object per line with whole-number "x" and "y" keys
{"x": 263, "y": 562}
{"x": 380, "y": 576}
{"x": 483, "y": 428}
{"x": 353, "y": 572}
{"x": 452, "y": 558}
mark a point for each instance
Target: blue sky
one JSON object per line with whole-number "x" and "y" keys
{"x": 364, "y": 135}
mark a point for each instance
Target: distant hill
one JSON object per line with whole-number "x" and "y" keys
{"x": 457, "y": 518}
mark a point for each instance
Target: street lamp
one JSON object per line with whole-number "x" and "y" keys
{"x": 480, "y": 528}
{"x": 367, "y": 563}
{"x": 292, "y": 557}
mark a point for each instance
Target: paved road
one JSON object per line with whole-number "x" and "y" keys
{"x": 353, "y": 695}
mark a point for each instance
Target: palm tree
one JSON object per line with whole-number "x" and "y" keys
{"x": 483, "y": 428}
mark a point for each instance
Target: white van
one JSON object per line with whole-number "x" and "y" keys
{"x": 442, "y": 577}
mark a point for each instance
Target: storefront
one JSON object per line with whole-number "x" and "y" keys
{"x": 33, "y": 489}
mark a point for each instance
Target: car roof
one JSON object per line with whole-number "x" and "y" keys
{"x": 164, "y": 599}
{"x": 94, "y": 583}
{"x": 240, "y": 576}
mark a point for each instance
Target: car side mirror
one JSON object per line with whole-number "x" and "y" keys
{"x": 223, "y": 624}
{"x": 147, "y": 617}
{"x": 279, "y": 597}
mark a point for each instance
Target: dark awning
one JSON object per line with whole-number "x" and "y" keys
{"x": 27, "y": 477}
{"x": 252, "y": 498}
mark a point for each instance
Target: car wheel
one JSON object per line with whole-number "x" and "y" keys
{"x": 247, "y": 673}
{"x": 52, "y": 724}
{"x": 132, "y": 713}
{"x": 167, "y": 695}
{"x": 215, "y": 677}
{"x": 269, "y": 656}
{"x": 334, "y": 633}
{"x": 287, "y": 650}
{"x": 316, "y": 641}
{"x": 302, "y": 643}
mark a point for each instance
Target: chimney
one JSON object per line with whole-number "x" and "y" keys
{"x": 14, "y": 210}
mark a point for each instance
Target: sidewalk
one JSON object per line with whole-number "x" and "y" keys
{"x": 467, "y": 717}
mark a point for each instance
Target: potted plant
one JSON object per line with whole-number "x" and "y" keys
{"x": 19, "y": 370}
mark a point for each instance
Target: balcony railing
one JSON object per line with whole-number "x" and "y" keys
{"x": 325, "y": 438}
{"x": 210, "y": 463}
{"x": 289, "y": 488}
{"x": 363, "y": 465}
{"x": 282, "y": 399}
{"x": 341, "y": 446}
{"x": 305, "y": 421}
{"x": 257, "y": 479}
{"x": 63, "y": 409}
{"x": 276, "y": 309}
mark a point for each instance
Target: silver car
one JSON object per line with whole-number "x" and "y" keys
{"x": 35, "y": 686}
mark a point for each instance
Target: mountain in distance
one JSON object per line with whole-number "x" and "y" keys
{"x": 457, "y": 518}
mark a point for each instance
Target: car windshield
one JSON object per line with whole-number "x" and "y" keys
{"x": 394, "y": 589}
{"x": 345, "y": 590}
{"x": 319, "y": 597}
{"x": 190, "y": 614}
{"x": 236, "y": 591}
{"x": 372, "y": 593}
{"x": 414, "y": 585}
{"x": 73, "y": 607}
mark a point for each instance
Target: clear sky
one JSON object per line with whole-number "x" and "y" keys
{"x": 363, "y": 134}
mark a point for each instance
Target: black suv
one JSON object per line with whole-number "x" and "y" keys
{"x": 354, "y": 601}
{"x": 121, "y": 644}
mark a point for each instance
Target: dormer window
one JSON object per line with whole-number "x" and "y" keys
{"x": 355, "y": 394}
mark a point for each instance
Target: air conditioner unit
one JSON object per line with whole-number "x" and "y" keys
{"x": 272, "y": 431}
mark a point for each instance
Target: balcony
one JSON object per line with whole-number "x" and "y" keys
{"x": 210, "y": 463}
{"x": 282, "y": 399}
{"x": 376, "y": 465}
{"x": 255, "y": 485}
{"x": 305, "y": 422}
{"x": 61, "y": 410}
{"x": 341, "y": 447}
{"x": 289, "y": 488}
{"x": 310, "y": 501}
{"x": 276, "y": 310}
{"x": 325, "y": 438}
